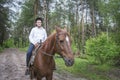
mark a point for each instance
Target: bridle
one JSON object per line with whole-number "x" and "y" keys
{"x": 57, "y": 42}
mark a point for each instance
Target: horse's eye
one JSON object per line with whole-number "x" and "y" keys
{"x": 61, "y": 41}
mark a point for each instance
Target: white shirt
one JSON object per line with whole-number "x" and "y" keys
{"x": 37, "y": 34}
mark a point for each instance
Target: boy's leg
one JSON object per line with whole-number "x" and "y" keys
{"x": 29, "y": 53}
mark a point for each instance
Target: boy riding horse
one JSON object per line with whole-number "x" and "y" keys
{"x": 37, "y": 34}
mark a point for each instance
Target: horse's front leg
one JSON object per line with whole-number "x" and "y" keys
{"x": 53, "y": 65}
{"x": 49, "y": 77}
{"x": 39, "y": 78}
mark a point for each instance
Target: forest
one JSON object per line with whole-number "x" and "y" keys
{"x": 93, "y": 26}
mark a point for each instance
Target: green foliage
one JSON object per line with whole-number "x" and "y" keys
{"x": 74, "y": 47}
{"x": 8, "y": 43}
{"x": 1, "y": 48}
{"x": 4, "y": 20}
{"x": 21, "y": 43}
{"x": 101, "y": 48}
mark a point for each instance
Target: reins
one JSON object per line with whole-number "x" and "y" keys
{"x": 47, "y": 54}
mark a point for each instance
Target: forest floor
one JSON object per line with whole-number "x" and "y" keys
{"x": 12, "y": 67}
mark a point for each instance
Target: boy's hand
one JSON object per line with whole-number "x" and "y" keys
{"x": 36, "y": 45}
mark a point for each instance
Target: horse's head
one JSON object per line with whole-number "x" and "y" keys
{"x": 63, "y": 46}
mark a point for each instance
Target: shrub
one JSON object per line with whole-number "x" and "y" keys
{"x": 8, "y": 43}
{"x": 101, "y": 48}
{"x": 1, "y": 49}
{"x": 74, "y": 47}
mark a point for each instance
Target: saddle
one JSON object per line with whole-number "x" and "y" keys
{"x": 34, "y": 53}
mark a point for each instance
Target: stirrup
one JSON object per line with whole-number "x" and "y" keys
{"x": 27, "y": 72}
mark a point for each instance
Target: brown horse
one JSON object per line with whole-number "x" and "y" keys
{"x": 58, "y": 42}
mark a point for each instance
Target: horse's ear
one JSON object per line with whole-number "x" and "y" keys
{"x": 65, "y": 29}
{"x": 58, "y": 29}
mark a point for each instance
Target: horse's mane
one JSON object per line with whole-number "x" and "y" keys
{"x": 48, "y": 41}
{"x": 50, "y": 36}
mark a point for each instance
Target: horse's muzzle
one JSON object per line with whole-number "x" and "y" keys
{"x": 68, "y": 62}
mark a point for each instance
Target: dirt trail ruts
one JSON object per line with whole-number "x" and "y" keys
{"x": 12, "y": 67}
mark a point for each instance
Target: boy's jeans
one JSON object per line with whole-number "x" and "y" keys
{"x": 29, "y": 53}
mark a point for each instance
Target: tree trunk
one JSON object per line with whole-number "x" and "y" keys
{"x": 83, "y": 29}
{"x": 77, "y": 5}
{"x": 93, "y": 22}
{"x": 36, "y": 8}
{"x": 45, "y": 15}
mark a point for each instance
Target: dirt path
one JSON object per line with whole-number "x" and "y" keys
{"x": 12, "y": 67}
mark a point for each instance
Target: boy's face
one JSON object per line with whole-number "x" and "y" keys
{"x": 39, "y": 23}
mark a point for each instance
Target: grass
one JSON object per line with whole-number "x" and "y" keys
{"x": 83, "y": 68}
{"x": 24, "y": 49}
{"x": 76, "y": 69}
